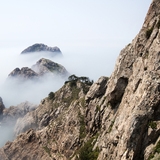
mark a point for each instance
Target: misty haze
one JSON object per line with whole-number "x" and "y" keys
{"x": 81, "y": 64}
{"x": 15, "y": 91}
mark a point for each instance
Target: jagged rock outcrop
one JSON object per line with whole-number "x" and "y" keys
{"x": 117, "y": 119}
{"x": 46, "y": 66}
{"x": 93, "y": 100}
{"x": 42, "y": 67}
{"x": 39, "y": 47}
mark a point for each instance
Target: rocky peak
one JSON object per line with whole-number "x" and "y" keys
{"x": 44, "y": 66}
{"x": 39, "y": 47}
{"x": 23, "y": 73}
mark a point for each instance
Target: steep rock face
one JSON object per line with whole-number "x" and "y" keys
{"x": 39, "y": 47}
{"x": 93, "y": 102}
{"x": 58, "y": 123}
{"x": 46, "y": 66}
{"x": 130, "y": 107}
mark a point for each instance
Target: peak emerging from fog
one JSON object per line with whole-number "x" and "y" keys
{"x": 44, "y": 66}
{"x": 39, "y": 47}
{"x": 45, "y": 76}
{"x": 25, "y": 73}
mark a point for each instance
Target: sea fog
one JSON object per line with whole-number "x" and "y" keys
{"x": 92, "y": 64}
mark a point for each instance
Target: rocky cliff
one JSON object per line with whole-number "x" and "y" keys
{"x": 113, "y": 119}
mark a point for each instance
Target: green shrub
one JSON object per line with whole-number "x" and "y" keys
{"x": 73, "y": 80}
{"x": 149, "y": 32}
{"x": 155, "y": 150}
{"x": 73, "y": 83}
{"x": 153, "y": 125}
{"x": 87, "y": 152}
{"x": 51, "y": 95}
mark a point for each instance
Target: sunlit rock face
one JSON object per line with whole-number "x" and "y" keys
{"x": 116, "y": 118}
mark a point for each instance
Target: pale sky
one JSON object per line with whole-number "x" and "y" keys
{"x": 94, "y": 29}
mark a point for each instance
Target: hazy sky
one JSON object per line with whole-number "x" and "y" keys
{"x": 85, "y": 30}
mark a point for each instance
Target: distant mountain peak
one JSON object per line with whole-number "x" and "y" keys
{"x": 40, "y": 47}
{"x": 24, "y": 72}
{"x": 42, "y": 67}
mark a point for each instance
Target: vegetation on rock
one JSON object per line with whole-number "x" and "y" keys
{"x": 86, "y": 152}
{"x": 51, "y": 95}
{"x": 149, "y": 32}
{"x": 73, "y": 79}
